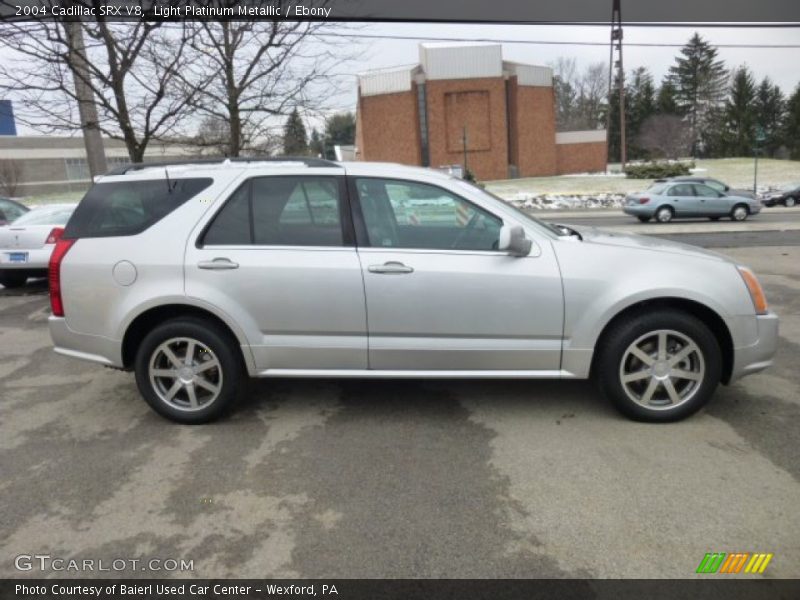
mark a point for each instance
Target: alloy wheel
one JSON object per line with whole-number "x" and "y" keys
{"x": 185, "y": 374}
{"x": 739, "y": 213}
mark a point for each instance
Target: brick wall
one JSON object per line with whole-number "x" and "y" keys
{"x": 389, "y": 128}
{"x": 535, "y": 125}
{"x": 586, "y": 157}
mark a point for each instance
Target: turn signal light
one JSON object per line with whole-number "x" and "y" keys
{"x": 756, "y": 292}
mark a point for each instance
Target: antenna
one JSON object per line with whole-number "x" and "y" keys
{"x": 169, "y": 185}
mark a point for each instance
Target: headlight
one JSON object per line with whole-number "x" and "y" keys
{"x": 756, "y": 292}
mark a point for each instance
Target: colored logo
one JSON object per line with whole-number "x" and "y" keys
{"x": 735, "y": 562}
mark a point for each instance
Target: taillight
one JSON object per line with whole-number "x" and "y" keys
{"x": 644, "y": 200}
{"x": 55, "y": 235}
{"x": 54, "y": 275}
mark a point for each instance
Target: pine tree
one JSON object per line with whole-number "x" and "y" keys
{"x": 667, "y": 102}
{"x": 295, "y": 142}
{"x": 740, "y": 114}
{"x": 699, "y": 80}
{"x": 641, "y": 104}
{"x": 770, "y": 111}
{"x": 791, "y": 124}
{"x": 315, "y": 144}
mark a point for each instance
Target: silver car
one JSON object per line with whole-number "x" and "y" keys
{"x": 664, "y": 201}
{"x": 197, "y": 276}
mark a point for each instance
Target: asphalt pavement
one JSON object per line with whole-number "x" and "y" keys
{"x": 443, "y": 479}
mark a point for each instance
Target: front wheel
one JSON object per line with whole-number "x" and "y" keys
{"x": 189, "y": 370}
{"x": 658, "y": 367}
{"x": 789, "y": 202}
{"x": 739, "y": 212}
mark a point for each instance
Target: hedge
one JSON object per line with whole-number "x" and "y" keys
{"x": 658, "y": 170}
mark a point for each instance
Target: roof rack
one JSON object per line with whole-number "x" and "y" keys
{"x": 306, "y": 160}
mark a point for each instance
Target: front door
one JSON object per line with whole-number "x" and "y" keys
{"x": 683, "y": 200}
{"x": 714, "y": 203}
{"x": 439, "y": 294}
{"x": 276, "y": 258}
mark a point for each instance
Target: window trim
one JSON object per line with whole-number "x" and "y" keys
{"x": 362, "y": 235}
{"x": 345, "y": 221}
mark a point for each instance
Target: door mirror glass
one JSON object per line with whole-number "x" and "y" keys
{"x": 513, "y": 240}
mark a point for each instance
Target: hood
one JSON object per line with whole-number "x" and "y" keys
{"x": 593, "y": 235}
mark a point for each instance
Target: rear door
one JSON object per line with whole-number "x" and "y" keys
{"x": 683, "y": 200}
{"x": 279, "y": 257}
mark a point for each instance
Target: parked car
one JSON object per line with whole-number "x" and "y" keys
{"x": 196, "y": 276}
{"x": 26, "y": 244}
{"x": 10, "y": 210}
{"x": 788, "y": 195}
{"x": 667, "y": 200}
{"x": 712, "y": 183}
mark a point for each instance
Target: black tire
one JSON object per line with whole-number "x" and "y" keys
{"x": 13, "y": 280}
{"x": 737, "y": 214}
{"x": 664, "y": 214}
{"x": 789, "y": 202}
{"x": 212, "y": 341}
{"x": 644, "y": 219}
{"x": 613, "y": 350}
{"x": 714, "y": 218}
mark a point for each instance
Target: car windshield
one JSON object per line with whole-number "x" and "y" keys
{"x": 51, "y": 215}
{"x": 657, "y": 188}
{"x": 548, "y": 229}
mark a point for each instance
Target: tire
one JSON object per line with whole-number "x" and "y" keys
{"x": 789, "y": 202}
{"x": 664, "y": 214}
{"x": 714, "y": 218}
{"x": 170, "y": 395}
{"x": 644, "y": 219}
{"x": 644, "y": 330}
{"x": 740, "y": 212}
{"x": 12, "y": 280}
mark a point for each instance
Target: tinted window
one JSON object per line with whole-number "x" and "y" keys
{"x": 129, "y": 207}
{"x": 285, "y": 211}
{"x": 705, "y": 191}
{"x": 403, "y": 214}
{"x": 717, "y": 185}
{"x": 683, "y": 189}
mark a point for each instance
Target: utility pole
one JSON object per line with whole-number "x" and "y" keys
{"x": 92, "y": 138}
{"x": 464, "y": 140}
{"x": 616, "y": 45}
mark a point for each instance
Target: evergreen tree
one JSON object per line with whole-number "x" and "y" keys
{"x": 699, "y": 79}
{"x": 340, "y": 130}
{"x": 791, "y": 124}
{"x": 740, "y": 114}
{"x": 295, "y": 141}
{"x": 667, "y": 101}
{"x": 315, "y": 144}
{"x": 770, "y": 111}
{"x": 640, "y": 105}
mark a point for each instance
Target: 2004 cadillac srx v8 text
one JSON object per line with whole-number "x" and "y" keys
{"x": 197, "y": 275}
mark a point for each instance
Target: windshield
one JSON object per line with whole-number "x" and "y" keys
{"x": 546, "y": 228}
{"x": 55, "y": 215}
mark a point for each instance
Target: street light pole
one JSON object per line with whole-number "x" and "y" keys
{"x": 464, "y": 140}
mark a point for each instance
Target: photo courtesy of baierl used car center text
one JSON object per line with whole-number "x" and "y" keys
{"x": 360, "y": 299}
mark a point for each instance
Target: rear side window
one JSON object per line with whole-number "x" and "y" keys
{"x": 129, "y": 207}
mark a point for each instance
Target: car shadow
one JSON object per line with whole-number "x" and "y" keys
{"x": 34, "y": 287}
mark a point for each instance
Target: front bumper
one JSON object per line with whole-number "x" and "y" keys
{"x": 758, "y": 355}
{"x": 93, "y": 348}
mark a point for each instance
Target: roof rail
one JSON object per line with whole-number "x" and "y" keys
{"x": 307, "y": 160}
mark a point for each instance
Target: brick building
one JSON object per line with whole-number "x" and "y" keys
{"x": 418, "y": 115}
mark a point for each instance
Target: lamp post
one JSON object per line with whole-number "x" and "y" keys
{"x": 464, "y": 139}
{"x": 760, "y": 137}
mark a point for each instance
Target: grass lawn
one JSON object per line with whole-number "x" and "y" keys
{"x": 736, "y": 172}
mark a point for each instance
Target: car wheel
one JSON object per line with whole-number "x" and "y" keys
{"x": 790, "y": 201}
{"x": 714, "y": 218}
{"x": 664, "y": 214}
{"x": 739, "y": 212}
{"x": 13, "y": 280}
{"x": 644, "y": 219}
{"x": 189, "y": 370}
{"x": 660, "y": 366}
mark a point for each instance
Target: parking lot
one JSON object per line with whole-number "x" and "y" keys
{"x": 397, "y": 478}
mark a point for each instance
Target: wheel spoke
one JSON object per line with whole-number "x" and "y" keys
{"x": 651, "y": 389}
{"x": 171, "y": 356}
{"x": 189, "y": 358}
{"x": 642, "y": 356}
{"x": 662, "y": 345}
{"x": 635, "y": 376}
{"x": 174, "y": 389}
{"x": 192, "y": 395}
{"x": 205, "y": 366}
{"x": 683, "y": 374}
{"x": 671, "y": 391}
{"x": 685, "y": 352}
{"x": 205, "y": 384}
{"x": 171, "y": 373}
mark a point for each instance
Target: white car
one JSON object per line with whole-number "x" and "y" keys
{"x": 26, "y": 244}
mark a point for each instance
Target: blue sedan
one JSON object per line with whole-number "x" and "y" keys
{"x": 664, "y": 201}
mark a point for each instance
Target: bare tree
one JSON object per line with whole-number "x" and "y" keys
{"x": 129, "y": 67}
{"x": 665, "y": 136}
{"x": 10, "y": 176}
{"x": 250, "y": 74}
{"x": 580, "y": 95}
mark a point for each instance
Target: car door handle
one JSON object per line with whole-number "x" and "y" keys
{"x": 390, "y": 268}
{"x": 218, "y": 264}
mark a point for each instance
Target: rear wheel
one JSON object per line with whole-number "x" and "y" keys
{"x": 664, "y": 214}
{"x": 643, "y": 219}
{"x": 790, "y": 201}
{"x": 739, "y": 212}
{"x": 12, "y": 280}
{"x": 189, "y": 370}
{"x": 660, "y": 366}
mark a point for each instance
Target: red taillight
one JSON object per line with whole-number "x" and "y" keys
{"x": 54, "y": 275}
{"x": 55, "y": 235}
{"x": 644, "y": 200}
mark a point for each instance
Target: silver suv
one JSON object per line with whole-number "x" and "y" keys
{"x": 195, "y": 276}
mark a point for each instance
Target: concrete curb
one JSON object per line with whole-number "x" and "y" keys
{"x": 600, "y": 213}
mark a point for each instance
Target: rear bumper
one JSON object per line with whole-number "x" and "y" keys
{"x": 38, "y": 260}
{"x": 757, "y": 356}
{"x": 638, "y": 210}
{"x": 93, "y": 348}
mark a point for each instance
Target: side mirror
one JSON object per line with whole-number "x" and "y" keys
{"x": 513, "y": 240}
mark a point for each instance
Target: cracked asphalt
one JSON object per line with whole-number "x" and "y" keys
{"x": 478, "y": 479}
